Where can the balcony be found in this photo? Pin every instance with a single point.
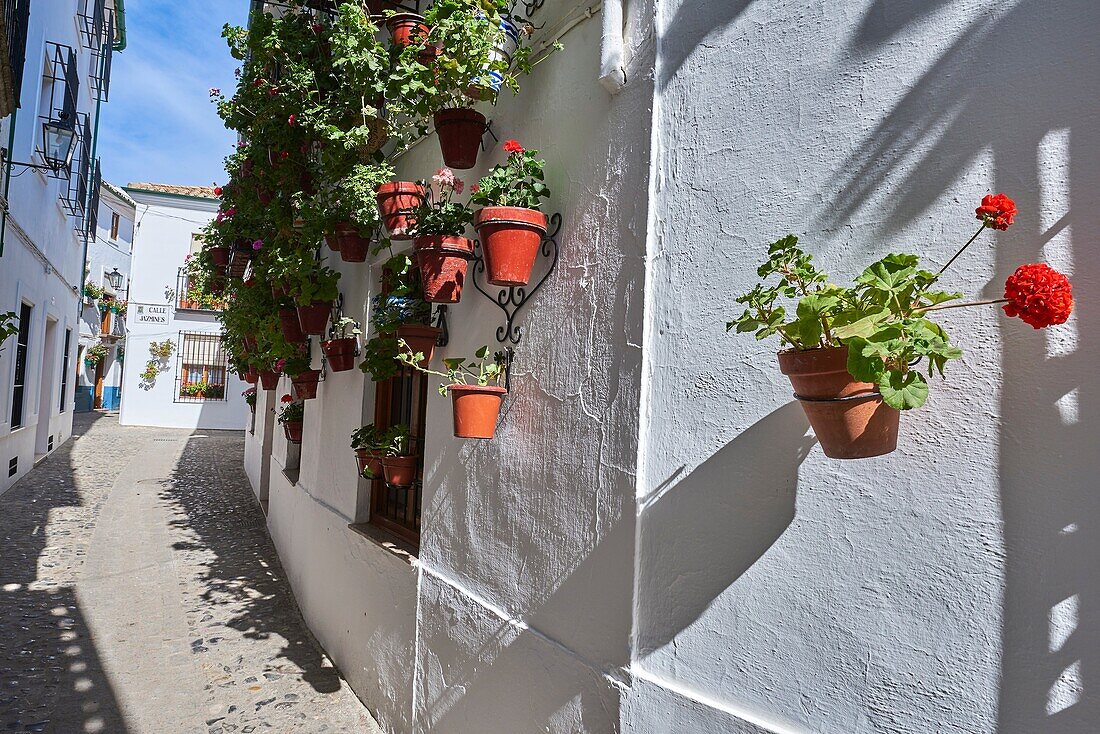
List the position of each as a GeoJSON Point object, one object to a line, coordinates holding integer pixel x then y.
{"type": "Point", "coordinates": [193, 295]}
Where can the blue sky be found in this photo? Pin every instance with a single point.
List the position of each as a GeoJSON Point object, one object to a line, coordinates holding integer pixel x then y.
{"type": "Point", "coordinates": [160, 125]}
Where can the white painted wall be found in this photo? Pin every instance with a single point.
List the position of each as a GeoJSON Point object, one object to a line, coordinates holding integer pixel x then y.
{"type": "Point", "coordinates": [165, 225]}
{"type": "Point", "coordinates": [654, 542]}
{"type": "Point", "coordinates": [42, 256]}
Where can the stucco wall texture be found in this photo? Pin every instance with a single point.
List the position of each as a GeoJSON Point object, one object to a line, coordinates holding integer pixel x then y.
{"type": "Point", "coordinates": [654, 542]}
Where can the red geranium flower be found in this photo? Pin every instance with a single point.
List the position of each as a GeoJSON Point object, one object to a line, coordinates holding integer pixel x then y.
{"type": "Point", "coordinates": [217, 191]}
{"type": "Point", "coordinates": [512, 146]}
{"type": "Point", "coordinates": [287, 399]}
{"type": "Point", "coordinates": [997, 211]}
{"type": "Point", "coordinates": [1039, 295]}
{"type": "Point", "coordinates": [291, 120]}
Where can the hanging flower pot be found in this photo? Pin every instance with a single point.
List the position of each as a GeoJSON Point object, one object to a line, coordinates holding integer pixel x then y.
{"type": "Point", "coordinates": [291, 328]}
{"type": "Point", "coordinates": [491, 80]}
{"type": "Point", "coordinates": [269, 379]}
{"type": "Point", "coordinates": [407, 29]}
{"type": "Point", "coordinates": [333, 242]}
{"type": "Point", "coordinates": [219, 256]}
{"type": "Point", "coordinates": [314, 317]}
{"type": "Point", "coordinates": [420, 338]}
{"type": "Point", "coordinates": [250, 343]}
{"type": "Point", "coordinates": [305, 384]}
{"type": "Point", "coordinates": [396, 201]}
{"type": "Point", "coordinates": [366, 460]}
{"type": "Point", "coordinates": [340, 353]}
{"type": "Point", "coordinates": [443, 261]}
{"type": "Point", "coordinates": [460, 131]}
{"type": "Point", "coordinates": [265, 196]}
{"type": "Point", "coordinates": [476, 409]}
{"type": "Point", "coordinates": [278, 290]}
{"type": "Point", "coordinates": [400, 471]}
{"type": "Point", "coordinates": [251, 376]}
{"type": "Point", "coordinates": [352, 247]}
{"type": "Point", "coordinates": [510, 238]}
{"type": "Point", "coordinates": [293, 431]}
{"type": "Point", "coordinates": [849, 418]}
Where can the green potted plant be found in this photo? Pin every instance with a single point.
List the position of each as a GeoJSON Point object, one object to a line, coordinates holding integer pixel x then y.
{"type": "Point", "coordinates": [397, 201]}
{"type": "Point", "coordinates": [853, 353]}
{"type": "Point", "coordinates": [354, 212]}
{"type": "Point", "coordinates": [291, 416]}
{"type": "Point", "coordinates": [303, 379]}
{"type": "Point", "coordinates": [250, 398]}
{"type": "Point", "coordinates": [474, 386]}
{"type": "Point", "coordinates": [95, 354]}
{"type": "Point", "coordinates": [314, 288]}
{"type": "Point", "coordinates": [8, 326]}
{"type": "Point", "coordinates": [343, 345]}
{"type": "Point", "coordinates": [195, 389]}
{"type": "Point", "coordinates": [369, 444]}
{"type": "Point", "coordinates": [442, 251]}
{"type": "Point", "coordinates": [400, 462]}
{"type": "Point", "coordinates": [509, 224]}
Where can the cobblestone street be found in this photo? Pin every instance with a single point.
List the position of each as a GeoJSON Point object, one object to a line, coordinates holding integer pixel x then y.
{"type": "Point", "coordinates": [139, 592]}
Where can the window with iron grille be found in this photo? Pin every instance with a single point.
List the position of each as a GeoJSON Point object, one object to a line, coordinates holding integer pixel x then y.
{"type": "Point", "coordinates": [202, 368]}
{"type": "Point", "coordinates": [401, 400]}
{"type": "Point", "coordinates": [60, 92]}
{"type": "Point", "coordinates": [16, 24]}
{"type": "Point", "coordinates": [65, 367]}
{"type": "Point", "coordinates": [22, 348]}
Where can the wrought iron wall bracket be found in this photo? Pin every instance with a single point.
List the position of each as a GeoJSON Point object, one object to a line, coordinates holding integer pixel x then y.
{"type": "Point", "coordinates": [439, 321]}
{"type": "Point", "coordinates": [505, 357]}
{"type": "Point", "coordinates": [510, 300]}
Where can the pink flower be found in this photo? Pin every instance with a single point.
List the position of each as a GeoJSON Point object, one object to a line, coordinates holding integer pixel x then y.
{"type": "Point", "coordinates": [444, 177]}
{"type": "Point", "coordinates": [475, 188]}
{"type": "Point", "coordinates": [291, 120]}
{"type": "Point", "coordinates": [279, 368]}
{"type": "Point", "coordinates": [258, 245]}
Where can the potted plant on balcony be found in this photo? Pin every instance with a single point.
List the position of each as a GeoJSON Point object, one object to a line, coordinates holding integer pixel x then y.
{"type": "Point", "coordinates": [343, 345]}
{"type": "Point", "coordinates": [399, 463]}
{"type": "Point", "coordinates": [369, 444]}
{"type": "Point", "coordinates": [853, 352]}
{"type": "Point", "coordinates": [291, 416]}
{"type": "Point", "coordinates": [95, 354]}
{"type": "Point", "coordinates": [474, 386]}
{"type": "Point", "coordinates": [509, 224]}
{"type": "Point", "coordinates": [442, 252]}
{"type": "Point", "coordinates": [196, 389]}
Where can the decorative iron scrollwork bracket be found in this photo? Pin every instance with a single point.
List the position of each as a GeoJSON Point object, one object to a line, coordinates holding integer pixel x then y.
{"type": "Point", "coordinates": [510, 300]}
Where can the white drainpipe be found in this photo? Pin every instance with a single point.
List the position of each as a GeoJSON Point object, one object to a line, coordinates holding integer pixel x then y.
{"type": "Point", "coordinates": [612, 68]}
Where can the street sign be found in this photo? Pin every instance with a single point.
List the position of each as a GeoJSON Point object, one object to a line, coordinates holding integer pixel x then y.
{"type": "Point", "coordinates": [152, 313]}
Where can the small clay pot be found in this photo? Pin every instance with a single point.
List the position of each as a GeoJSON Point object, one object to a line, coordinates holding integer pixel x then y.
{"type": "Point", "coordinates": [366, 459]}
{"type": "Point", "coordinates": [340, 353]}
{"type": "Point", "coordinates": [460, 131]}
{"type": "Point", "coordinates": [314, 317]}
{"type": "Point", "coordinates": [421, 339]}
{"type": "Point", "coordinates": [251, 377]}
{"type": "Point", "coordinates": [396, 202]}
{"type": "Point", "coordinates": [400, 471]}
{"type": "Point", "coordinates": [850, 419]}
{"type": "Point", "coordinates": [269, 379]}
{"type": "Point", "coordinates": [443, 262]}
{"type": "Point", "coordinates": [293, 431]}
{"type": "Point", "coordinates": [305, 384]}
{"type": "Point", "coordinates": [291, 328]}
{"type": "Point", "coordinates": [278, 290]}
{"type": "Point", "coordinates": [219, 256]}
{"type": "Point", "coordinates": [510, 238]}
{"type": "Point", "coordinates": [353, 248]}
{"type": "Point", "coordinates": [476, 409]}
{"type": "Point", "coordinates": [407, 29]}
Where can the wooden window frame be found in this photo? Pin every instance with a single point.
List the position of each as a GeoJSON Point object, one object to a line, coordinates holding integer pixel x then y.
{"type": "Point", "coordinates": [387, 413]}
{"type": "Point", "coordinates": [115, 221]}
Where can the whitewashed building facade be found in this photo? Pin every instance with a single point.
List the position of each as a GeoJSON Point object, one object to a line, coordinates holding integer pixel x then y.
{"type": "Point", "coordinates": [54, 83]}
{"type": "Point", "coordinates": [170, 219]}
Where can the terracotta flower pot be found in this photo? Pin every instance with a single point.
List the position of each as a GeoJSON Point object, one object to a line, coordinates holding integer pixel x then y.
{"type": "Point", "coordinates": [400, 471]}
{"type": "Point", "coordinates": [460, 131]}
{"type": "Point", "coordinates": [293, 431]}
{"type": "Point", "coordinates": [333, 242]}
{"type": "Point", "coordinates": [366, 459]}
{"type": "Point", "coordinates": [510, 238]}
{"type": "Point", "coordinates": [288, 324]}
{"type": "Point", "coordinates": [407, 29]}
{"type": "Point", "coordinates": [420, 338]}
{"type": "Point", "coordinates": [353, 247]}
{"type": "Point", "coordinates": [250, 343]}
{"type": "Point", "coordinates": [340, 353]}
{"type": "Point", "coordinates": [314, 317]}
{"type": "Point", "coordinates": [265, 196]}
{"type": "Point", "coordinates": [269, 379]}
{"type": "Point", "coordinates": [278, 290]}
{"type": "Point", "coordinates": [443, 261]}
{"type": "Point", "coordinates": [305, 384]}
{"type": "Point", "coordinates": [251, 377]}
{"type": "Point", "coordinates": [219, 256]}
{"type": "Point", "coordinates": [849, 417]}
{"type": "Point", "coordinates": [476, 410]}
{"type": "Point", "coordinates": [396, 202]}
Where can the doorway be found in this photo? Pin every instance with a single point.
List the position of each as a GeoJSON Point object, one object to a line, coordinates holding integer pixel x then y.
{"type": "Point", "coordinates": [100, 370]}
{"type": "Point", "coordinates": [46, 398]}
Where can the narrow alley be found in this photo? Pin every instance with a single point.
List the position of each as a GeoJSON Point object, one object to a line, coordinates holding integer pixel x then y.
{"type": "Point", "coordinates": [139, 592]}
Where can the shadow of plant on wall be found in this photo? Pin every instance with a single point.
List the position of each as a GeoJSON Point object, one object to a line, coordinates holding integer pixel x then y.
{"type": "Point", "coordinates": [1019, 84]}
{"type": "Point", "coordinates": [716, 523]}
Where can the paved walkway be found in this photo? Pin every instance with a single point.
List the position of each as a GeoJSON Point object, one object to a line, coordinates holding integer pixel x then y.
{"type": "Point", "coordinates": [140, 593]}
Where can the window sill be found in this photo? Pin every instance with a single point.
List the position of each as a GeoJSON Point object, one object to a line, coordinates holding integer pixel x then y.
{"type": "Point", "coordinates": [387, 541]}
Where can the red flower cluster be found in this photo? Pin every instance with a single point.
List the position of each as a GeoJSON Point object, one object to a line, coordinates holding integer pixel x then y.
{"type": "Point", "coordinates": [512, 146]}
{"type": "Point", "coordinates": [997, 211]}
{"type": "Point", "coordinates": [1039, 295]}
{"type": "Point", "coordinates": [287, 399]}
